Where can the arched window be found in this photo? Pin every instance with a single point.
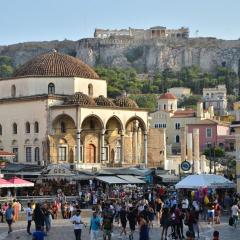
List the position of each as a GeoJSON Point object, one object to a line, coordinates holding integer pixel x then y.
{"type": "Point", "coordinates": [51, 88]}
{"type": "Point", "coordinates": [63, 127]}
{"type": "Point", "coordinates": [164, 106]}
{"type": "Point", "coordinates": [36, 127]}
{"type": "Point", "coordinates": [36, 154]}
{"type": "Point", "coordinates": [177, 139]}
{"type": "Point", "coordinates": [90, 90]}
{"type": "Point", "coordinates": [13, 91]}
{"type": "Point", "coordinates": [27, 127]}
{"type": "Point", "coordinates": [171, 106]}
{"type": "Point", "coordinates": [0, 129]}
{"type": "Point", "coordinates": [14, 128]}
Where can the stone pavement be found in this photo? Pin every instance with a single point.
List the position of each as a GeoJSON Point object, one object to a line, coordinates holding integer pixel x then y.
{"type": "Point", "coordinates": [63, 230]}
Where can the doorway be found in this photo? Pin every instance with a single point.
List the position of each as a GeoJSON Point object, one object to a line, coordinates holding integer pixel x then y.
{"type": "Point", "coordinates": [91, 153]}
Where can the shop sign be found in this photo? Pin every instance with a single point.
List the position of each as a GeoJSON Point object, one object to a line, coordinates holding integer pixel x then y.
{"type": "Point", "coordinates": [59, 170]}
{"type": "Point", "coordinates": [185, 166]}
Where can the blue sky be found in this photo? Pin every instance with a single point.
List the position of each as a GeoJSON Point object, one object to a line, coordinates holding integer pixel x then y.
{"type": "Point", "coordinates": [38, 20]}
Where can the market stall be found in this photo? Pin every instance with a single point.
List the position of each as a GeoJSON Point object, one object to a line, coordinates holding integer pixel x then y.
{"type": "Point", "coordinates": [211, 181]}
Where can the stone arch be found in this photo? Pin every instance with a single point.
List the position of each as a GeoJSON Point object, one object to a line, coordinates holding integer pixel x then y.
{"type": "Point", "coordinates": [36, 141]}
{"type": "Point", "coordinates": [142, 124]}
{"type": "Point", "coordinates": [63, 119]}
{"type": "Point", "coordinates": [117, 119]}
{"type": "Point", "coordinates": [90, 90]}
{"type": "Point", "coordinates": [14, 142]}
{"type": "Point", "coordinates": [95, 122]}
{"type": "Point", "coordinates": [13, 91]}
{"type": "Point", "coordinates": [27, 142]}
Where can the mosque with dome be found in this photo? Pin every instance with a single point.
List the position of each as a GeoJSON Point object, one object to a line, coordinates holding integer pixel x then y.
{"type": "Point", "coordinates": [55, 109]}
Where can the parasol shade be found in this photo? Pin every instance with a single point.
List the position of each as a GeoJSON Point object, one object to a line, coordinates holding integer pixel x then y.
{"type": "Point", "coordinates": [4, 183]}
{"type": "Point", "coordinates": [18, 182]}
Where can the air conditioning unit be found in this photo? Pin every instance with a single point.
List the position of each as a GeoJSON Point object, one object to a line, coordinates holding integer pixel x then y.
{"type": "Point", "coordinates": [94, 169]}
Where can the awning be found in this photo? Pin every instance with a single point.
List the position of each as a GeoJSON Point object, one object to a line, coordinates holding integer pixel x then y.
{"type": "Point", "coordinates": [111, 180]}
{"type": "Point", "coordinates": [131, 179]}
{"type": "Point", "coordinates": [167, 178]}
{"type": "Point", "coordinates": [5, 184]}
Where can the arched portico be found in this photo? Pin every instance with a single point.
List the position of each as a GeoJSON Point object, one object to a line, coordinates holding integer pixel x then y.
{"type": "Point", "coordinates": [91, 129]}
{"type": "Point", "coordinates": [136, 140]}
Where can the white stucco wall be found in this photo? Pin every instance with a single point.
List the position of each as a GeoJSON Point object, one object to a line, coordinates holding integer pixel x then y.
{"type": "Point", "coordinates": [99, 86]}
{"type": "Point", "coordinates": [20, 113]}
{"type": "Point", "coordinates": [36, 86]}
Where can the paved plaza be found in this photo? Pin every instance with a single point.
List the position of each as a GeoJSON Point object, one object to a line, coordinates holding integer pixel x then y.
{"type": "Point", "coordinates": [63, 230]}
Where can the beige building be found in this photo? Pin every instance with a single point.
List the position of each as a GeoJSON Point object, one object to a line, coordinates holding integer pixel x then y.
{"type": "Point", "coordinates": [55, 110]}
{"type": "Point", "coordinates": [171, 118]}
{"type": "Point", "coordinates": [216, 97]}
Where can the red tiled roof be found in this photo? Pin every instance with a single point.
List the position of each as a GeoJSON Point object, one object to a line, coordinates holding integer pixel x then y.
{"type": "Point", "coordinates": [54, 64]}
{"type": "Point", "coordinates": [184, 113]}
{"type": "Point", "coordinates": [167, 95]}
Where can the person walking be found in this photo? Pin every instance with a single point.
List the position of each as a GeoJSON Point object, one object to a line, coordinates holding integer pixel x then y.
{"type": "Point", "coordinates": [123, 220]}
{"type": "Point", "coordinates": [78, 224]}
{"type": "Point", "coordinates": [107, 222]}
{"type": "Point", "coordinates": [38, 217]}
{"type": "Point", "coordinates": [235, 213]}
{"type": "Point", "coordinates": [9, 214]}
{"type": "Point", "coordinates": [143, 229]}
{"type": "Point", "coordinates": [132, 219]}
{"type": "Point", "coordinates": [95, 224]}
{"type": "Point", "coordinates": [29, 217]}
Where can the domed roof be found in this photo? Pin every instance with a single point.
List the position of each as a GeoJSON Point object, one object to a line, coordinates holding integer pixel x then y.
{"type": "Point", "coordinates": [80, 98]}
{"type": "Point", "coordinates": [167, 95]}
{"type": "Point", "coordinates": [125, 102]}
{"type": "Point", "coordinates": [103, 101]}
{"type": "Point", "coordinates": [54, 64]}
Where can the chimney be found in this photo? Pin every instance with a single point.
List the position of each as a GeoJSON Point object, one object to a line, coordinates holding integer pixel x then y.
{"type": "Point", "coordinates": [200, 110]}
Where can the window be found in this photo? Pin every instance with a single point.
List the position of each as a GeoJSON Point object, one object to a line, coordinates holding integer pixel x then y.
{"type": "Point", "coordinates": [63, 127]}
{"type": "Point", "coordinates": [36, 154]}
{"type": "Point", "coordinates": [36, 127]}
{"type": "Point", "coordinates": [171, 106]}
{"type": "Point", "coordinates": [118, 152]}
{"type": "Point", "coordinates": [164, 106]}
{"type": "Point", "coordinates": [15, 151]}
{"type": "Point", "coordinates": [156, 126]}
{"type": "Point", "coordinates": [90, 90]}
{"type": "Point", "coordinates": [14, 128]}
{"type": "Point", "coordinates": [62, 153]}
{"type": "Point", "coordinates": [209, 132]}
{"type": "Point", "coordinates": [177, 125]}
{"type": "Point", "coordinates": [13, 91]}
{"type": "Point", "coordinates": [27, 127]}
{"type": "Point", "coordinates": [51, 88]}
{"type": "Point", "coordinates": [209, 145]}
{"type": "Point", "coordinates": [0, 129]}
{"type": "Point", "coordinates": [28, 154]}
{"type": "Point", "coordinates": [105, 153]}
{"type": "Point", "coordinates": [177, 139]}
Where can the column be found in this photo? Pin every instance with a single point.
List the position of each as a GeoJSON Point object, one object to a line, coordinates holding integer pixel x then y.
{"type": "Point", "coordinates": [238, 161]}
{"type": "Point", "coordinates": [189, 147]}
{"type": "Point", "coordinates": [79, 157]}
{"type": "Point", "coordinates": [122, 147]}
{"type": "Point", "coordinates": [145, 149]}
{"type": "Point", "coordinates": [183, 143]}
{"type": "Point", "coordinates": [135, 146]}
{"type": "Point", "coordinates": [196, 158]}
{"type": "Point", "coordinates": [102, 145]}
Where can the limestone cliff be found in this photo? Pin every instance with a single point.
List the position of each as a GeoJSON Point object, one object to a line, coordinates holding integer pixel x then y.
{"type": "Point", "coordinates": [150, 55]}
{"type": "Point", "coordinates": [144, 55]}
{"type": "Point", "coordinates": [22, 52]}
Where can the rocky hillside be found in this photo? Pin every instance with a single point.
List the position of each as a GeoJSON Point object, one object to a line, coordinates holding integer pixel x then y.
{"type": "Point", "coordinates": [22, 52]}
{"type": "Point", "coordinates": [152, 55]}
{"type": "Point", "coordinates": [145, 55]}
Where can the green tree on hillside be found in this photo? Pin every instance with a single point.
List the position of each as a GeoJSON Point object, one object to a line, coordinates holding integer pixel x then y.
{"type": "Point", "coordinates": [6, 67]}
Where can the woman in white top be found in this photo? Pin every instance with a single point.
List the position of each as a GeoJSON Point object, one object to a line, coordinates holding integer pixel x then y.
{"type": "Point", "coordinates": [78, 224]}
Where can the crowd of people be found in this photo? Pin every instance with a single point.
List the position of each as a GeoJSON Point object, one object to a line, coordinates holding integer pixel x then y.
{"type": "Point", "coordinates": [176, 214]}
